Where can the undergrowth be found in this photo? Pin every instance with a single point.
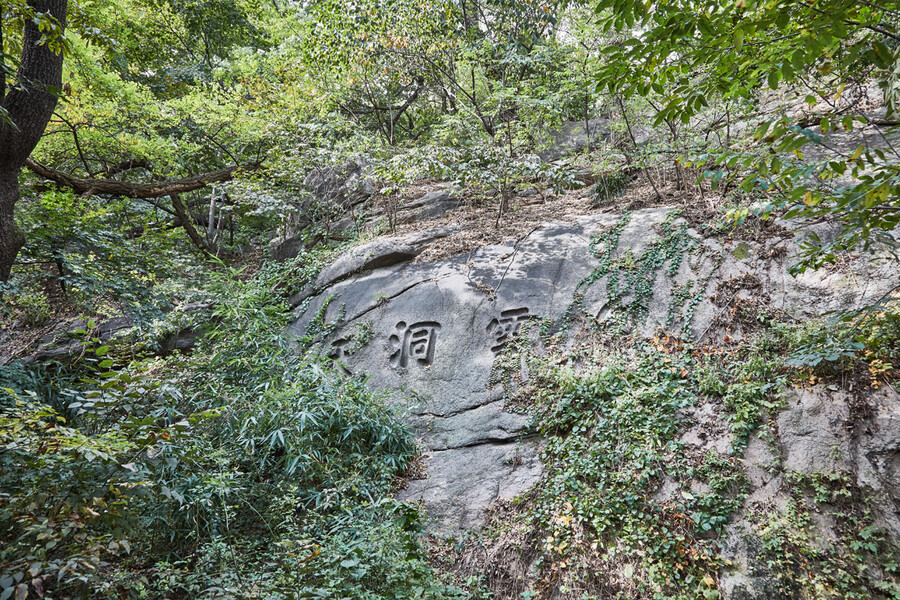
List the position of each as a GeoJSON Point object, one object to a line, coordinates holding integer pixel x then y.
{"type": "Point", "coordinates": [627, 508]}
{"type": "Point", "coordinates": [240, 470]}
{"type": "Point", "coordinates": [858, 561]}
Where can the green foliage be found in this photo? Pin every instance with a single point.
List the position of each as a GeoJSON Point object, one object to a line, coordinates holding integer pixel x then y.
{"type": "Point", "coordinates": [328, 436]}
{"type": "Point", "coordinates": [741, 47]}
{"type": "Point", "coordinates": [286, 278]}
{"type": "Point", "coordinates": [611, 436]}
{"type": "Point", "coordinates": [859, 562]}
{"type": "Point", "coordinates": [630, 279]}
{"type": "Point", "coordinates": [84, 247]}
{"type": "Point", "coordinates": [35, 307]}
{"type": "Point", "coordinates": [201, 36]}
{"type": "Point", "coordinates": [711, 378]}
{"type": "Point", "coordinates": [240, 467]}
{"type": "Point", "coordinates": [745, 402]}
{"type": "Point", "coordinates": [856, 189]}
{"type": "Point", "coordinates": [458, 70]}
{"type": "Point", "coordinates": [490, 170]}
{"type": "Point", "coordinates": [70, 501]}
{"type": "Point", "coordinates": [609, 187]}
{"type": "Point", "coordinates": [880, 332]}
{"type": "Point", "coordinates": [687, 56]}
{"type": "Point", "coordinates": [825, 348]}
{"type": "Point", "coordinates": [374, 555]}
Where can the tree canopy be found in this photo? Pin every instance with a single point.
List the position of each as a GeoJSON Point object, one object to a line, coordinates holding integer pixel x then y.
{"type": "Point", "coordinates": [154, 154]}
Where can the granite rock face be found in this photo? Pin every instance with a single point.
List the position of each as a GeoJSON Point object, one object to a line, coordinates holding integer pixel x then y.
{"type": "Point", "coordinates": [436, 331]}
{"type": "Point", "coordinates": [816, 434]}
{"type": "Point", "coordinates": [432, 205]}
{"type": "Point", "coordinates": [344, 185]}
{"type": "Point", "coordinates": [380, 253]}
{"type": "Point", "coordinates": [430, 333]}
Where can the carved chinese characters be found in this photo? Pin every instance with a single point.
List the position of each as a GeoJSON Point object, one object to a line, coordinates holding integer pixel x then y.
{"type": "Point", "coordinates": [414, 343]}
{"type": "Point", "coordinates": [505, 326]}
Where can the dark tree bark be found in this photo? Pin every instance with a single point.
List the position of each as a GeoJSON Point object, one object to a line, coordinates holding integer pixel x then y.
{"type": "Point", "coordinates": [11, 238]}
{"type": "Point", "coordinates": [187, 223]}
{"type": "Point", "coordinates": [114, 187]}
{"type": "Point", "coordinates": [28, 106]}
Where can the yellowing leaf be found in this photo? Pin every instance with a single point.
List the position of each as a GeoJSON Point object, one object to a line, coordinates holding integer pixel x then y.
{"type": "Point", "coordinates": [879, 194]}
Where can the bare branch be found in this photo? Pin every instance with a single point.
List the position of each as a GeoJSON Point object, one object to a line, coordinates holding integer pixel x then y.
{"type": "Point", "coordinates": [156, 189]}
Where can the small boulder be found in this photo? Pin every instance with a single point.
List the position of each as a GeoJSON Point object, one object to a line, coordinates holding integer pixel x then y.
{"type": "Point", "coordinates": [432, 205]}
{"type": "Point", "coordinates": [574, 136]}
{"type": "Point", "coordinates": [63, 343]}
{"type": "Point", "coordinates": [345, 186]}
{"type": "Point", "coordinates": [287, 247]}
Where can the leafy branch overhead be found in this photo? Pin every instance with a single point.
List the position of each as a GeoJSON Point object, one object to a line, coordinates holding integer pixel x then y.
{"type": "Point", "coordinates": [142, 191]}
{"type": "Point", "coordinates": [689, 54]}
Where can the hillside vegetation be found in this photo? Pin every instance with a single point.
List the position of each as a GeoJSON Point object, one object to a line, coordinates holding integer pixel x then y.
{"type": "Point", "coordinates": [175, 176]}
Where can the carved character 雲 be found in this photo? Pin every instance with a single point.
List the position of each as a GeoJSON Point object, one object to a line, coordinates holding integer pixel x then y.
{"type": "Point", "coordinates": [504, 327]}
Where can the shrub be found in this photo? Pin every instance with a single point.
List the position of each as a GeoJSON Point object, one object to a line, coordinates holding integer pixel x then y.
{"type": "Point", "coordinates": [35, 306]}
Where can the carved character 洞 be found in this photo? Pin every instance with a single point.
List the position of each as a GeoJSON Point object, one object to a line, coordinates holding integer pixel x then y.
{"type": "Point", "coordinates": [415, 342]}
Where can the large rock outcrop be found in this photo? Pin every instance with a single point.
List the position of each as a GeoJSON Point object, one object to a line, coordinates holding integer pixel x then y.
{"type": "Point", "coordinates": [435, 331]}
{"type": "Point", "coordinates": [431, 332]}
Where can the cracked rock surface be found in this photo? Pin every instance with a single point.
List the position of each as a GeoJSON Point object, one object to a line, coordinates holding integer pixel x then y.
{"type": "Point", "coordinates": [429, 333]}
{"type": "Point", "coordinates": [436, 329]}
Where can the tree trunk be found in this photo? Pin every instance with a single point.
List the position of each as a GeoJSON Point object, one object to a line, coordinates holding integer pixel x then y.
{"type": "Point", "coordinates": [188, 223]}
{"type": "Point", "coordinates": [28, 105]}
{"type": "Point", "coordinates": [11, 238]}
